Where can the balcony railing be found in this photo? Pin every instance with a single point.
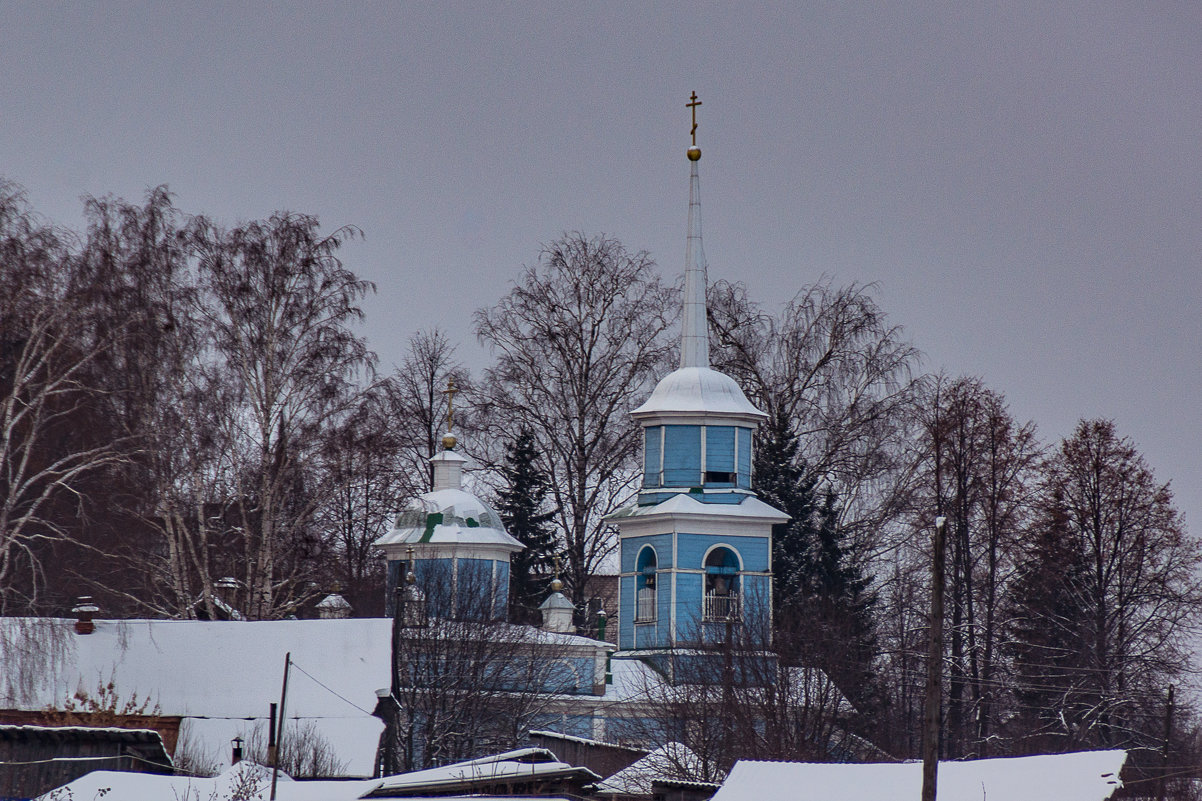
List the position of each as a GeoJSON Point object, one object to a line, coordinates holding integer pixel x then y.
{"type": "Point", "coordinates": [645, 608]}
{"type": "Point", "coordinates": [720, 607]}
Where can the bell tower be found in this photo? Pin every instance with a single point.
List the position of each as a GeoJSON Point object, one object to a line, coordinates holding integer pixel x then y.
{"type": "Point", "coordinates": [696, 548]}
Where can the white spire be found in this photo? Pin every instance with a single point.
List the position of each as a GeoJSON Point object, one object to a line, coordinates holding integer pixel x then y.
{"type": "Point", "coordinates": [694, 338]}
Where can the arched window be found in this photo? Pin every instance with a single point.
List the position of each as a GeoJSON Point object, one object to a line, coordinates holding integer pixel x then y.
{"type": "Point", "coordinates": [721, 600]}
{"type": "Point", "coordinates": [644, 610]}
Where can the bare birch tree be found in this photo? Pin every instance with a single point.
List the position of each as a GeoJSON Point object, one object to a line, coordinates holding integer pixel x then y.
{"type": "Point", "coordinates": [834, 367]}
{"type": "Point", "coordinates": [365, 482]}
{"type": "Point", "coordinates": [280, 304]}
{"type": "Point", "coordinates": [46, 453]}
{"type": "Point", "coordinates": [579, 342]}
{"type": "Point", "coordinates": [417, 394]}
{"type": "Point", "coordinates": [980, 471]}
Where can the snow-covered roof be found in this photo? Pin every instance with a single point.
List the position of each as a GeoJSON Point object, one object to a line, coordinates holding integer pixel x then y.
{"type": "Point", "coordinates": [245, 780]}
{"type": "Point", "coordinates": [698, 390]}
{"type": "Point", "coordinates": [633, 680]}
{"type": "Point", "coordinates": [750, 507]}
{"type": "Point", "coordinates": [1082, 776]}
{"type": "Point", "coordinates": [556, 600]}
{"type": "Point", "coordinates": [669, 761]}
{"type": "Point", "coordinates": [333, 601]}
{"type": "Point", "coordinates": [219, 676]}
{"type": "Point", "coordinates": [527, 763]}
{"type": "Point", "coordinates": [556, 735]}
{"type": "Point", "coordinates": [449, 517]}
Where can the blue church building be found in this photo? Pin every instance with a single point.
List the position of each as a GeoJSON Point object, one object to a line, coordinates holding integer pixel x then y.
{"type": "Point", "coordinates": [695, 545]}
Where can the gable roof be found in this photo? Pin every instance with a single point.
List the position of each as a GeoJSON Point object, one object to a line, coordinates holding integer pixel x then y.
{"type": "Point", "coordinates": [1081, 776]}
{"type": "Point", "coordinates": [483, 775]}
{"type": "Point", "coordinates": [672, 761]}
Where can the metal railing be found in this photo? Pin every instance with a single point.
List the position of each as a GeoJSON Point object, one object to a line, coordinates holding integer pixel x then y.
{"type": "Point", "coordinates": [720, 607]}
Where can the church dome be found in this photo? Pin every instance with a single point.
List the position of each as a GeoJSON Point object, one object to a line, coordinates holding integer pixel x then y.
{"type": "Point", "coordinates": [449, 516]}
{"type": "Point", "coordinates": [698, 390]}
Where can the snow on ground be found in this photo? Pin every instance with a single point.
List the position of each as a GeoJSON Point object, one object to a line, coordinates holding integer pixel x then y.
{"type": "Point", "coordinates": [1082, 776]}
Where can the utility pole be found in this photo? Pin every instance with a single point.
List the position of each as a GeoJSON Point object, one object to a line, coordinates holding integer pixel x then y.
{"type": "Point", "coordinates": [279, 729]}
{"type": "Point", "coordinates": [1164, 755]}
{"type": "Point", "coordinates": [934, 695]}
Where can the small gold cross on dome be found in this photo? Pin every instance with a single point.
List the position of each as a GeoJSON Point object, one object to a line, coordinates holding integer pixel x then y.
{"type": "Point", "coordinates": [693, 105]}
{"type": "Point", "coordinates": [450, 392]}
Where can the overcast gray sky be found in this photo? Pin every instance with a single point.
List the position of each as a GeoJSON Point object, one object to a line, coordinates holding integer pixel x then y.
{"type": "Point", "coordinates": [1024, 181]}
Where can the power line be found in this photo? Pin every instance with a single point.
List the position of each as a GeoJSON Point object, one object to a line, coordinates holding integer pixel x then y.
{"type": "Point", "coordinates": [331, 691]}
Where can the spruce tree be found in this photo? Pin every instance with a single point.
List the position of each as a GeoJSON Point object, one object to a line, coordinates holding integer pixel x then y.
{"type": "Point", "coordinates": [823, 601]}
{"type": "Point", "coordinates": [1048, 639]}
{"type": "Point", "coordinates": [521, 505]}
{"type": "Point", "coordinates": [781, 481]}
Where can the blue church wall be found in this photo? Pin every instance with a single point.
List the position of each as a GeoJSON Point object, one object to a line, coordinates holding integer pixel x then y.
{"type": "Point", "coordinates": [682, 456]}
{"type": "Point", "coordinates": [651, 451]}
{"type": "Point", "coordinates": [744, 452]}
{"type": "Point", "coordinates": [502, 588]}
{"type": "Point", "coordinates": [473, 588]}
{"type": "Point", "coordinates": [753, 551]}
{"type": "Point", "coordinates": [631, 546]}
{"type": "Point", "coordinates": [714, 668]}
{"type": "Point", "coordinates": [626, 613]}
{"type": "Point", "coordinates": [673, 456]}
{"type": "Point", "coordinates": [652, 635]}
{"type": "Point", "coordinates": [737, 559]}
{"type": "Point", "coordinates": [688, 606]}
{"type": "Point", "coordinates": [719, 456]}
{"type": "Point", "coordinates": [569, 676]}
{"type": "Point", "coordinates": [628, 728]}
{"type": "Point", "coordinates": [571, 725]}
{"type": "Point", "coordinates": [635, 557]}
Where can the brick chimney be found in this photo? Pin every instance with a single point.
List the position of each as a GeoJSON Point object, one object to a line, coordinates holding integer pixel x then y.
{"type": "Point", "coordinates": [84, 611]}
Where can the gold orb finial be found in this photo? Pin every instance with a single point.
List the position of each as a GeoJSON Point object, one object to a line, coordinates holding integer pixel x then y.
{"type": "Point", "coordinates": [694, 153]}
{"type": "Point", "coordinates": [556, 585]}
{"type": "Point", "coordinates": [449, 441]}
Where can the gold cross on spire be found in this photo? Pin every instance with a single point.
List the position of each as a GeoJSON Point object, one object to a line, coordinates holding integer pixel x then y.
{"type": "Point", "coordinates": [693, 105]}
{"type": "Point", "coordinates": [450, 392]}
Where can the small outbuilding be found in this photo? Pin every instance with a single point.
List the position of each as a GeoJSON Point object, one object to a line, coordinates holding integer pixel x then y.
{"type": "Point", "coordinates": [36, 759]}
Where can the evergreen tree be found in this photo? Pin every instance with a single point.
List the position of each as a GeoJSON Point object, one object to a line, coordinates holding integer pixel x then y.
{"type": "Point", "coordinates": [822, 599]}
{"type": "Point", "coordinates": [521, 506]}
{"type": "Point", "coordinates": [781, 481]}
{"type": "Point", "coordinates": [842, 604]}
{"type": "Point", "coordinates": [1047, 638]}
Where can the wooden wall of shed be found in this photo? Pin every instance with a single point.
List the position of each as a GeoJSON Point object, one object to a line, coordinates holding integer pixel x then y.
{"type": "Point", "coordinates": [166, 725]}
{"type": "Point", "coordinates": [36, 766]}
{"type": "Point", "coordinates": [604, 759]}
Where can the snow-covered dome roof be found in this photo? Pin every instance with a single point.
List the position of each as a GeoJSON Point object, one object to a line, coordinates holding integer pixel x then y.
{"type": "Point", "coordinates": [698, 390]}
{"type": "Point", "coordinates": [449, 517]}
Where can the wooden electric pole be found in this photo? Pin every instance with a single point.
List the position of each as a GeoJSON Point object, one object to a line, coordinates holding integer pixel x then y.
{"type": "Point", "coordinates": [1162, 785]}
{"type": "Point", "coordinates": [279, 729]}
{"type": "Point", "coordinates": [934, 696]}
